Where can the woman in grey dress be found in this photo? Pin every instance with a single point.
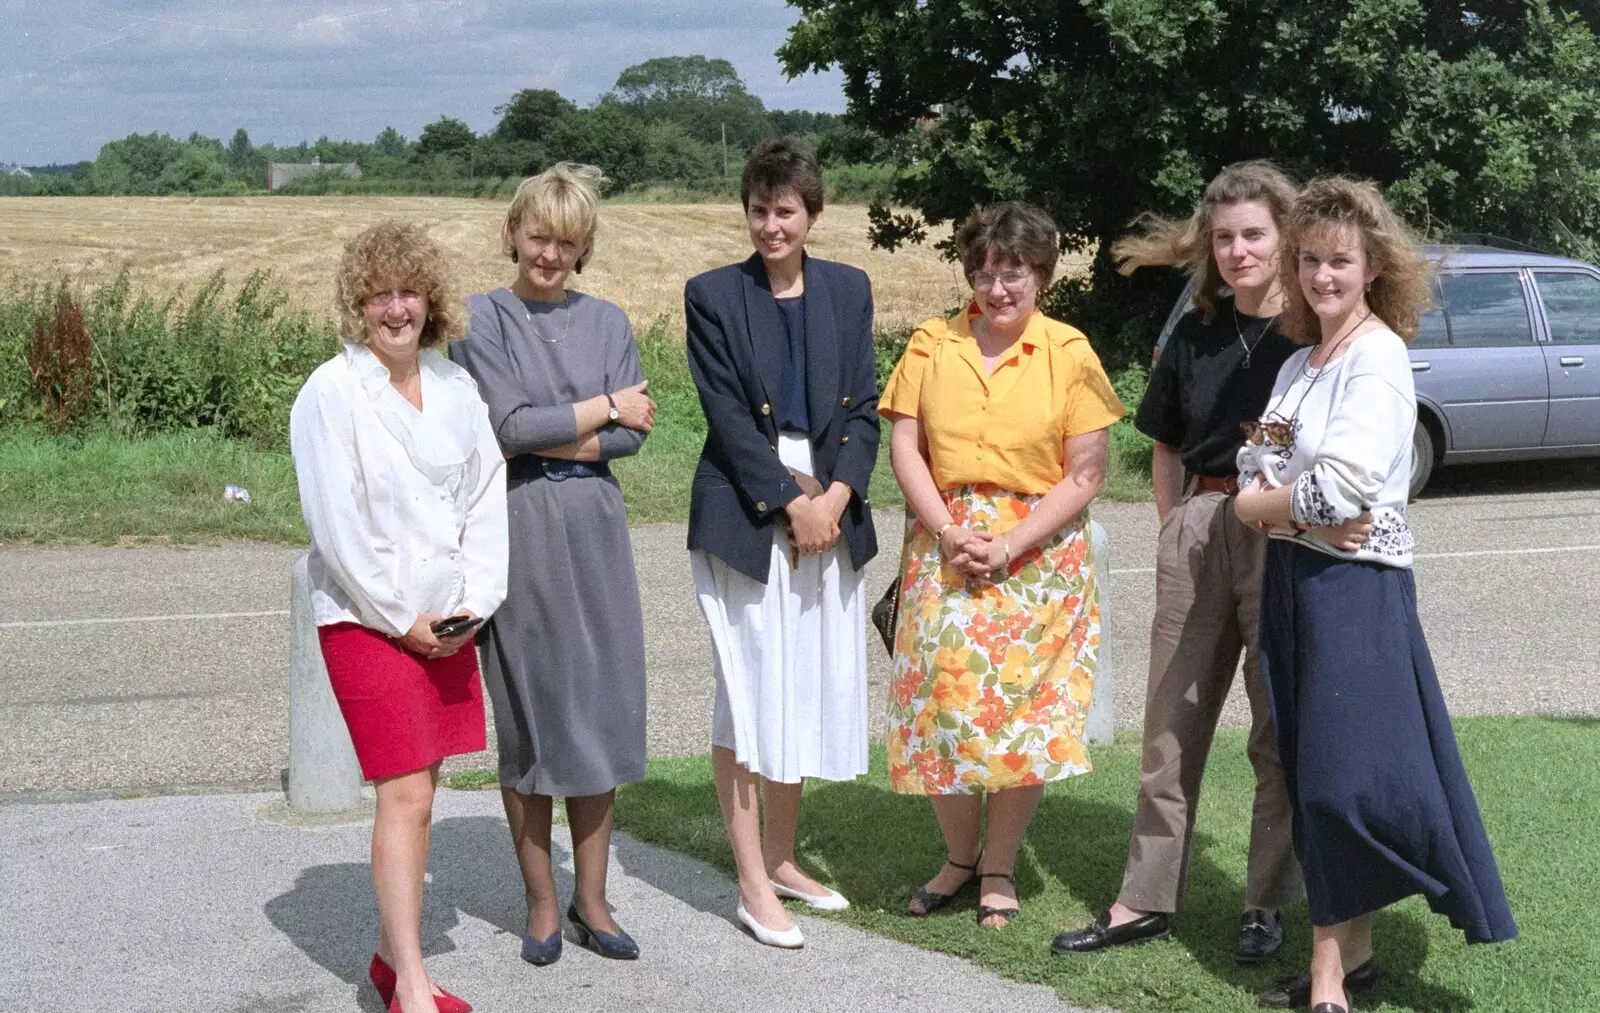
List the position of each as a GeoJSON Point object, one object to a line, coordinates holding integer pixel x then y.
{"type": "Point", "coordinates": [563, 658]}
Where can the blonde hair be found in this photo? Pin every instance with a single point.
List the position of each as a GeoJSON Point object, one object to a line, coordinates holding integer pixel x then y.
{"type": "Point", "coordinates": [565, 199]}
{"type": "Point", "coordinates": [1186, 243]}
{"type": "Point", "coordinates": [397, 255]}
{"type": "Point", "coordinates": [1398, 296]}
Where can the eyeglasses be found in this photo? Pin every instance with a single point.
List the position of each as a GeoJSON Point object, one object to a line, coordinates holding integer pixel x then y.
{"type": "Point", "coordinates": [1278, 432]}
{"type": "Point", "coordinates": [1013, 280]}
{"type": "Point", "coordinates": [406, 297]}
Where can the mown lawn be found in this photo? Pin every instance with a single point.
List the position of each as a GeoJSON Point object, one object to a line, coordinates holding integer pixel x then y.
{"type": "Point", "coordinates": [1537, 782]}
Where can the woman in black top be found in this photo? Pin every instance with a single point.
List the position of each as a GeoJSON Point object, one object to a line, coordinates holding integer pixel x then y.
{"type": "Point", "coordinates": [1216, 371]}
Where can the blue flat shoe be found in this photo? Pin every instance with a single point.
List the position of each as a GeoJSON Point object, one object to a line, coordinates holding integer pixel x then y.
{"type": "Point", "coordinates": [542, 951]}
{"type": "Point", "coordinates": [615, 947]}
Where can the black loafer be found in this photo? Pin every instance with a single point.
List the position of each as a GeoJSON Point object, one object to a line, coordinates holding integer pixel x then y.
{"type": "Point", "coordinates": [1292, 993]}
{"type": "Point", "coordinates": [1260, 936]}
{"type": "Point", "coordinates": [1101, 935]}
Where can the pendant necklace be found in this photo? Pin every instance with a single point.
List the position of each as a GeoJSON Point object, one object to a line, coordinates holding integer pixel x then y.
{"type": "Point", "coordinates": [1249, 348]}
{"type": "Point", "coordinates": [566, 301]}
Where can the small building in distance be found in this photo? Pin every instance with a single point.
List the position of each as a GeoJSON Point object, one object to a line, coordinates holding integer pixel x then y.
{"type": "Point", "coordinates": [279, 173]}
{"type": "Point", "coordinates": [15, 170]}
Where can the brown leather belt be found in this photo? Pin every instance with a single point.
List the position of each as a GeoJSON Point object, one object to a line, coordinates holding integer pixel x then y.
{"type": "Point", "coordinates": [1228, 486]}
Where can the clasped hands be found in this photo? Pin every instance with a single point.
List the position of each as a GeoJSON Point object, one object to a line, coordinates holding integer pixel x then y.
{"type": "Point", "coordinates": [972, 553]}
{"type": "Point", "coordinates": [814, 520]}
{"type": "Point", "coordinates": [420, 639]}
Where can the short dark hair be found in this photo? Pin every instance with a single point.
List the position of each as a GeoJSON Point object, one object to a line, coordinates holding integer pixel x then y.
{"type": "Point", "coordinates": [778, 164]}
{"type": "Point", "coordinates": [1012, 231]}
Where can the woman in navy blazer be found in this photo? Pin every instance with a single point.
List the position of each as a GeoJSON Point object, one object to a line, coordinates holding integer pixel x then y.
{"type": "Point", "coordinates": [780, 525]}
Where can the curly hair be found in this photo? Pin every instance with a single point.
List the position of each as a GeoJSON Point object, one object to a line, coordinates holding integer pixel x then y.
{"type": "Point", "coordinates": [1015, 233]}
{"type": "Point", "coordinates": [1401, 292]}
{"type": "Point", "coordinates": [1186, 243]}
{"type": "Point", "coordinates": [565, 199]}
{"type": "Point", "coordinates": [391, 255]}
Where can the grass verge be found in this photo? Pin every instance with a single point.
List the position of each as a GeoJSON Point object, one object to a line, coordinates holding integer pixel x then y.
{"type": "Point", "coordinates": [1536, 780]}
{"type": "Point", "coordinates": [101, 486]}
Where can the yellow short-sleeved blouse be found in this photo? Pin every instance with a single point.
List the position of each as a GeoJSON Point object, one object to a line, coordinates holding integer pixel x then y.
{"type": "Point", "coordinates": [1005, 427]}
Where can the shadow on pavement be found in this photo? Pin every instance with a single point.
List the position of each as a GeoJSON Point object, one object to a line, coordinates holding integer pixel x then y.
{"type": "Point", "coordinates": [1565, 475]}
{"type": "Point", "coordinates": [331, 916]}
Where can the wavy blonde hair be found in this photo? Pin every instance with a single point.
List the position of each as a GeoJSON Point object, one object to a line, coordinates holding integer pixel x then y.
{"type": "Point", "coordinates": [1186, 243]}
{"type": "Point", "coordinates": [397, 255]}
{"type": "Point", "coordinates": [1401, 292]}
{"type": "Point", "coordinates": [565, 199]}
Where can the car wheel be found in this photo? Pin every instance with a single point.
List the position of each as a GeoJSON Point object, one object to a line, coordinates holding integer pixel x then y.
{"type": "Point", "coordinates": [1422, 457]}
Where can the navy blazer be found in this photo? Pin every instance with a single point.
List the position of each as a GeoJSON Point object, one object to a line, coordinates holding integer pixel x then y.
{"type": "Point", "coordinates": [737, 351]}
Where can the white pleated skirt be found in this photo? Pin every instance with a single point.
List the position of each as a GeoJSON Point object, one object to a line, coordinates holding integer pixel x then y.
{"type": "Point", "coordinates": [791, 657]}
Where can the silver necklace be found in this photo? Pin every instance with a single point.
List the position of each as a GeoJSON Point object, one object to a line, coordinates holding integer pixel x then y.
{"type": "Point", "coordinates": [1249, 348]}
{"type": "Point", "coordinates": [566, 324]}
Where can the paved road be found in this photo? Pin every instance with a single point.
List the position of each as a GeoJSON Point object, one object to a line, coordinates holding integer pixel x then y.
{"type": "Point", "coordinates": [114, 684]}
{"type": "Point", "coordinates": [198, 905]}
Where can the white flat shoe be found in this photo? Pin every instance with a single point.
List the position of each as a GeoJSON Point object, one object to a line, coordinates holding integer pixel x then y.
{"type": "Point", "coordinates": [788, 939]}
{"type": "Point", "coordinates": [833, 900]}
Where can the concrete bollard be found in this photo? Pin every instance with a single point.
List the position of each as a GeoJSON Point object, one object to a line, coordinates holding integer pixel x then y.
{"type": "Point", "coordinates": [1100, 727]}
{"type": "Point", "coordinates": [323, 773]}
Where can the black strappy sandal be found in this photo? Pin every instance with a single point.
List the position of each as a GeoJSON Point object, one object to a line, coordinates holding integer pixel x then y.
{"type": "Point", "coordinates": [931, 901]}
{"type": "Point", "coordinates": [1007, 913]}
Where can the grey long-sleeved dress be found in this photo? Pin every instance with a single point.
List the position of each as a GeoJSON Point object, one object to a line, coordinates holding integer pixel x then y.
{"type": "Point", "coordinates": [563, 658]}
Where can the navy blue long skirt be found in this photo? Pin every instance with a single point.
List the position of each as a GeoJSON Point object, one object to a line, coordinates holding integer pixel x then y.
{"type": "Point", "coordinates": [1382, 805]}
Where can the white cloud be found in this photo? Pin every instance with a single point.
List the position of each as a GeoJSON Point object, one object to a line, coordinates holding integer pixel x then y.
{"type": "Point", "coordinates": [77, 73]}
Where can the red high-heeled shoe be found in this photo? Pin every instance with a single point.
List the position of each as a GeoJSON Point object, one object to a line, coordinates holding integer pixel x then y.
{"type": "Point", "coordinates": [384, 980]}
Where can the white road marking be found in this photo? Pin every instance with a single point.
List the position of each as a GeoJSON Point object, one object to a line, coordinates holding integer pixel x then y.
{"type": "Point", "coordinates": [1118, 572]}
{"type": "Point", "coordinates": [36, 624]}
{"type": "Point", "coordinates": [1545, 551]}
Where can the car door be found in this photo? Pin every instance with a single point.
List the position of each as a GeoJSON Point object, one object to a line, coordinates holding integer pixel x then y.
{"type": "Point", "coordinates": [1485, 372]}
{"type": "Point", "coordinates": [1570, 301]}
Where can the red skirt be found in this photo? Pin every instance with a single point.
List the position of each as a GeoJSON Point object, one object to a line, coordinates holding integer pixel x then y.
{"type": "Point", "coordinates": [404, 712]}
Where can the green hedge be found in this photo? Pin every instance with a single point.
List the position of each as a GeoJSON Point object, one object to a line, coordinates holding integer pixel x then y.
{"type": "Point", "coordinates": [226, 360]}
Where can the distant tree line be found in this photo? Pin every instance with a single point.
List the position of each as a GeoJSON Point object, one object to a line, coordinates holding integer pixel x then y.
{"type": "Point", "coordinates": [685, 122]}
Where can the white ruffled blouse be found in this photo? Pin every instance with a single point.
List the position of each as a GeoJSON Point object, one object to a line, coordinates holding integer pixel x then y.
{"type": "Point", "coordinates": [406, 508]}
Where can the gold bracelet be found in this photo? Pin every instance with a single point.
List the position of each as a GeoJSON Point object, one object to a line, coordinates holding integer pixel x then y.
{"type": "Point", "coordinates": [1005, 543]}
{"type": "Point", "coordinates": [939, 535]}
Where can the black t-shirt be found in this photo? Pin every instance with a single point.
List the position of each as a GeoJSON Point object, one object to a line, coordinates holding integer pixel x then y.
{"type": "Point", "coordinates": [1200, 389]}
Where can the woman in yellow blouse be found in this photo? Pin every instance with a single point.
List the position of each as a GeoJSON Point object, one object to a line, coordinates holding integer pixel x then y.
{"type": "Point", "coordinates": [999, 442]}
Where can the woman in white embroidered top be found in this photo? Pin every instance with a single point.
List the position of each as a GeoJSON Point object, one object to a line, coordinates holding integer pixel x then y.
{"type": "Point", "coordinates": [1325, 472]}
{"type": "Point", "coordinates": [403, 490]}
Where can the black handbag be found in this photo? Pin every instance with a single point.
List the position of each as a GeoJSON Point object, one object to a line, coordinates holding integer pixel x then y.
{"type": "Point", "coordinates": [886, 613]}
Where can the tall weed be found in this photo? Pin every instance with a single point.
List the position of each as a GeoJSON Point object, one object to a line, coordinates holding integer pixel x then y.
{"type": "Point", "coordinates": [226, 360]}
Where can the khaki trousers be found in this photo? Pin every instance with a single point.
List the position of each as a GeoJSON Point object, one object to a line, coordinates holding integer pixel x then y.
{"type": "Point", "coordinates": [1208, 607]}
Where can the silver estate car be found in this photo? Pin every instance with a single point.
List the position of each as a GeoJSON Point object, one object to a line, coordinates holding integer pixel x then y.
{"type": "Point", "coordinates": [1507, 365]}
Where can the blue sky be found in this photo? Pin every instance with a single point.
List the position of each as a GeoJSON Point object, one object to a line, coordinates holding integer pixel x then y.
{"type": "Point", "coordinates": [77, 73]}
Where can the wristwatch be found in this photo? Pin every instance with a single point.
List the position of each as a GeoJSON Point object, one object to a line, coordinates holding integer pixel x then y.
{"type": "Point", "coordinates": [613, 414]}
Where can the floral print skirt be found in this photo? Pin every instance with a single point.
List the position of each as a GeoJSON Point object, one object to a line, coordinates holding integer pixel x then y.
{"type": "Point", "coordinates": [992, 676]}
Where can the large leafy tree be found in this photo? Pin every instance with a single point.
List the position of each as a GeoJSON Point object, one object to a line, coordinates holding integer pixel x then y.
{"type": "Point", "coordinates": [1475, 114]}
{"type": "Point", "coordinates": [701, 95]}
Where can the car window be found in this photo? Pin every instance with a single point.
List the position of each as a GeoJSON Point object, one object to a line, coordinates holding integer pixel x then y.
{"type": "Point", "coordinates": [1571, 306]}
{"type": "Point", "coordinates": [1431, 329]}
{"type": "Point", "coordinates": [1486, 309]}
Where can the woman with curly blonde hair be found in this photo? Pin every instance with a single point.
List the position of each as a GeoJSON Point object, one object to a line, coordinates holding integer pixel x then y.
{"type": "Point", "coordinates": [403, 490]}
{"type": "Point", "coordinates": [1325, 471]}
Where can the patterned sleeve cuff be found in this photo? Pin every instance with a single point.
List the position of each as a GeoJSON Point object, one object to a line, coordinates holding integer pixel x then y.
{"type": "Point", "coordinates": [1308, 506]}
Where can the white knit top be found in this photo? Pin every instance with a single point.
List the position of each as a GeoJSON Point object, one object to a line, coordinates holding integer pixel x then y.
{"type": "Point", "coordinates": [1353, 421]}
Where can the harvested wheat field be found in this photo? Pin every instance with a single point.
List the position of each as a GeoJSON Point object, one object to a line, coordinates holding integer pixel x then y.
{"type": "Point", "coordinates": [643, 255]}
